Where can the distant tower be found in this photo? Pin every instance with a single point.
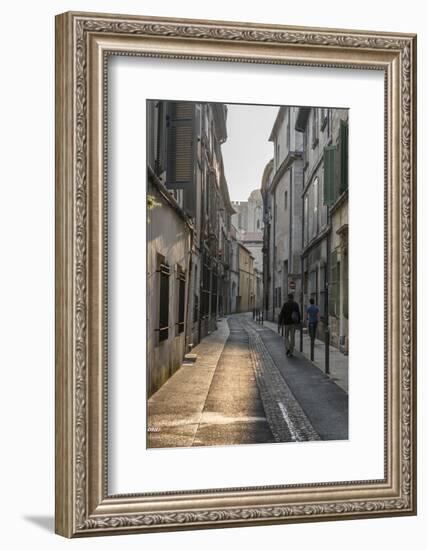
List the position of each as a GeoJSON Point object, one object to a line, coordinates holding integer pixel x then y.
{"type": "Point", "coordinates": [255, 207]}
{"type": "Point", "coordinates": [248, 217]}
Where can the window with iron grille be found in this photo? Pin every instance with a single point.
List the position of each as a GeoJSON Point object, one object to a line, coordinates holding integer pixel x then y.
{"type": "Point", "coordinates": [164, 274]}
{"type": "Point", "coordinates": [181, 299]}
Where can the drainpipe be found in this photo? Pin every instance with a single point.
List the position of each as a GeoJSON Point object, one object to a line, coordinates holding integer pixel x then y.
{"type": "Point", "coordinates": [302, 264]}
{"type": "Point", "coordinates": [189, 287]}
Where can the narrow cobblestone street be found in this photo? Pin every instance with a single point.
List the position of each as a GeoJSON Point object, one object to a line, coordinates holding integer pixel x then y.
{"type": "Point", "coordinates": [243, 389]}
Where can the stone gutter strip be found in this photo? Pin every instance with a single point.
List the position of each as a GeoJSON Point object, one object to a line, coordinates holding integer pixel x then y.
{"type": "Point", "coordinates": [287, 420]}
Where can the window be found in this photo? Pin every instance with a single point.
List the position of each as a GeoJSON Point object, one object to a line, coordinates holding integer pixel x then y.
{"type": "Point", "coordinates": [278, 297]}
{"type": "Point", "coordinates": [323, 118]}
{"type": "Point", "coordinates": [159, 163]}
{"type": "Point", "coordinates": [305, 219]}
{"type": "Point", "coordinates": [305, 147]}
{"type": "Point", "coordinates": [178, 195]}
{"type": "Point", "coordinates": [179, 167]}
{"type": "Point", "coordinates": [198, 130]}
{"type": "Point", "coordinates": [329, 175]}
{"type": "Point", "coordinates": [310, 194]}
{"type": "Point", "coordinates": [305, 283]}
{"type": "Point", "coordinates": [164, 273]}
{"type": "Point", "coordinates": [315, 206]}
{"type": "Point", "coordinates": [322, 207]}
{"type": "Point", "coordinates": [313, 285]}
{"type": "Point", "coordinates": [315, 128]}
{"type": "Point", "coordinates": [181, 299]}
{"type": "Point", "coordinates": [286, 200]}
{"type": "Point", "coordinates": [342, 154]}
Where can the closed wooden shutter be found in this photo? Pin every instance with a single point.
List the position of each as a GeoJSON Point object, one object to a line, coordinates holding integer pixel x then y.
{"type": "Point", "coordinates": [329, 162]}
{"type": "Point", "coordinates": [181, 300]}
{"type": "Point", "coordinates": [343, 156]}
{"type": "Point", "coordinates": [164, 273]}
{"type": "Point", "coordinates": [180, 152]}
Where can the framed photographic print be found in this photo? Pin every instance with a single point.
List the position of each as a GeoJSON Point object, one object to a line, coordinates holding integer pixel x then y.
{"type": "Point", "coordinates": [235, 274]}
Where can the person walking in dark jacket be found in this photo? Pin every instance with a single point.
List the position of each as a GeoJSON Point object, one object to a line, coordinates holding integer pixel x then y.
{"type": "Point", "coordinates": [290, 316]}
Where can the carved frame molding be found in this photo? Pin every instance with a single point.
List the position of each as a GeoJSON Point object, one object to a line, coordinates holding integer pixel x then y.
{"type": "Point", "coordinates": [83, 43]}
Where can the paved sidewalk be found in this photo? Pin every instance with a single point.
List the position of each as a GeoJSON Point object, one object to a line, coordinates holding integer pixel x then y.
{"type": "Point", "coordinates": [338, 362]}
{"type": "Point", "coordinates": [175, 410]}
{"type": "Point", "coordinates": [234, 413]}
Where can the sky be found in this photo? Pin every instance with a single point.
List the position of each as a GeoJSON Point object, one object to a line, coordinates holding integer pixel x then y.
{"type": "Point", "coordinates": [247, 149]}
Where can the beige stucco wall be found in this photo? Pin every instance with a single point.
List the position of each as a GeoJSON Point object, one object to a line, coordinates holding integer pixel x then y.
{"type": "Point", "coordinates": [168, 235]}
{"type": "Point", "coordinates": [246, 280]}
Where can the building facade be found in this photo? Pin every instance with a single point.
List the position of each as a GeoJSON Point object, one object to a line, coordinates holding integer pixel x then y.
{"type": "Point", "coordinates": [186, 181]}
{"type": "Point", "coordinates": [281, 191]}
{"type": "Point", "coordinates": [267, 236]}
{"type": "Point", "coordinates": [246, 297]}
{"type": "Point", "coordinates": [325, 218]}
{"type": "Point", "coordinates": [305, 201]}
{"type": "Point", "coordinates": [234, 276]}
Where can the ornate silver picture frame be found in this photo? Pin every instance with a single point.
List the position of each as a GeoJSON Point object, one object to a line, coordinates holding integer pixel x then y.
{"type": "Point", "coordinates": [84, 42]}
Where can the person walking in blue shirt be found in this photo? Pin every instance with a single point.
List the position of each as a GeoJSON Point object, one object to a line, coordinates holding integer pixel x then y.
{"type": "Point", "coordinates": [312, 318]}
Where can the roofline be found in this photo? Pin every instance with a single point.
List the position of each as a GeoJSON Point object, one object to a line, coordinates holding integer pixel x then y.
{"type": "Point", "coordinates": [279, 118]}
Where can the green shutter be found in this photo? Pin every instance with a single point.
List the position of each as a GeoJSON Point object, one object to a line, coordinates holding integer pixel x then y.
{"type": "Point", "coordinates": [343, 156]}
{"type": "Point", "coordinates": [180, 152]}
{"type": "Point", "coordinates": [329, 162]}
